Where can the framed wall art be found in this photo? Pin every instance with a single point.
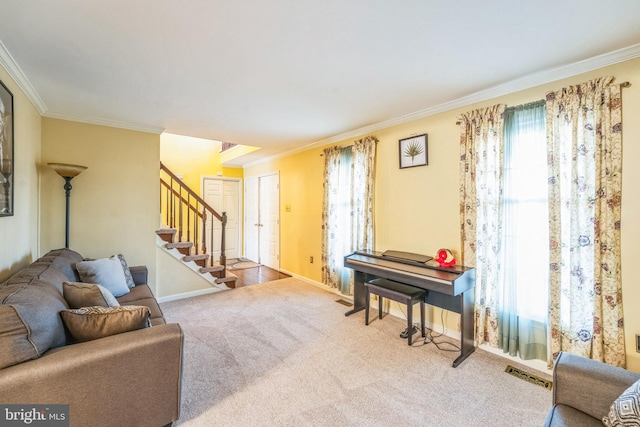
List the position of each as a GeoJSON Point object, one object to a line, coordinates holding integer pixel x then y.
{"type": "Point", "coordinates": [6, 151]}
{"type": "Point", "coordinates": [413, 151]}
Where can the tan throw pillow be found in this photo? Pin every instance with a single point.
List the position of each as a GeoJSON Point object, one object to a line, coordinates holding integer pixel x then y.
{"type": "Point", "coordinates": [79, 294]}
{"type": "Point", "coordinates": [91, 323]}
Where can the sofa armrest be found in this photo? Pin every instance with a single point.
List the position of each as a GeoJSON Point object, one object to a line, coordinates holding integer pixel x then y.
{"type": "Point", "coordinates": [103, 380]}
{"type": "Point", "coordinates": [140, 274]}
{"type": "Point", "coordinates": [588, 385]}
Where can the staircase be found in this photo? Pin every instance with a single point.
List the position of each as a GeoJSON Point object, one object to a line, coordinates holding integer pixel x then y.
{"type": "Point", "coordinates": [185, 217]}
{"type": "Point", "coordinates": [202, 260]}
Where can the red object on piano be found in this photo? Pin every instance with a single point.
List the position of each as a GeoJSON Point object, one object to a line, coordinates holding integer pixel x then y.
{"type": "Point", "coordinates": [445, 258]}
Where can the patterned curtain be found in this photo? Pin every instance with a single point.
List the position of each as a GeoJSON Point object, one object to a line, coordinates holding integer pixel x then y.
{"type": "Point", "coordinates": [347, 213]}
{"type": "Point", "coordinates": [363, 166]}
{"type": "Point", "coordinates": [330, 217]}
{"type": "Point", "coordinates": [584, 137]}
{"type": "Point", "coordinates": [481, 141]}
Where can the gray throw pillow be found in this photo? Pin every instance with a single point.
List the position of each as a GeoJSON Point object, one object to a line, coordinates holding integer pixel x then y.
{"type": "Point", "coordinates": [79, 294]}
{"type": "Point", "coordinates": [127, 273]}
{"type": "Point", "coordinates": [625, 410]}
{"type": "Point", "coordinates": [106, 272]}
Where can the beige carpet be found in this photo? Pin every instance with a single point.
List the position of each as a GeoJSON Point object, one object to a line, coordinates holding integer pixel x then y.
{"type": "Point", "coordinates": [283, 354]}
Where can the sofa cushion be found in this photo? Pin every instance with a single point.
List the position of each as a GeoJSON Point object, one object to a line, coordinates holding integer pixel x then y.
{"type": "Point", "coordinates": [90, 323]}
{"type": "Point", "coordinates": [142, 295]}
{"type": "Point", "coordinates": [566, 416]}
{"type": "Point", "coordinates": [44, 271]}
{"type": "Point", "coordinates": [79, 294]}
{"type": "Point", "coordinates": [64, 260]}
{"type": "Point", "coordinates": [34, 304]}
{"type": "Point", "coordinates": [15, 346]}
{"type": "Point", "coordinates": [625, 410]}
{"type": "Point", "coordinates": [106, 272]}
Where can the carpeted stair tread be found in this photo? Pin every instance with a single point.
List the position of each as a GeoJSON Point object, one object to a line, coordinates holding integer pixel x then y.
{"type": "Point", "coordinates": [167, 234]}
{"type": "Point", "coordinates": [199, 257]}
{"type": "Point", "coordinates": [179, 245]}
{"type": "Point", "coordinates": [212, 269]}
{"type": "Point", "coordinates": [229, 280]}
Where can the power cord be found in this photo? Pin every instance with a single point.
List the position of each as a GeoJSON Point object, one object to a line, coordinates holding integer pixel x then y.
{"type": "Point", "coordinates": [429, 337]}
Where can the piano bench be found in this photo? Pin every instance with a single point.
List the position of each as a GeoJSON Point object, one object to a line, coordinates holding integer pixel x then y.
{"type": "Point", "coordinates": [398, 292]}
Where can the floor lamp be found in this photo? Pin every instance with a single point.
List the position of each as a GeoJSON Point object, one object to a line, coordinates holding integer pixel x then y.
{"type": "Point", "coordinates": [68, 172]}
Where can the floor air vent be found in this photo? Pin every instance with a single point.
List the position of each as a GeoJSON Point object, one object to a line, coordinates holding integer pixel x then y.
{"type": "Point", "coordinates": [344, 302]}
{"type": "Point", "coordinates": [533, 379]}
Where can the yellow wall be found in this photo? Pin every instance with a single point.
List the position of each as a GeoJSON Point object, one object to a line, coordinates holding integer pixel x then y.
{"type": "Point", "coordinates": [193, 158]}
{"type": "Point", "coordinates": [417, 209]}
{"type": "Point", "coordinates": [114, 203]}
{"type": "Point", "coordinates": [19, 233]}
{"type": "Point", "coordinates": [300, 229]}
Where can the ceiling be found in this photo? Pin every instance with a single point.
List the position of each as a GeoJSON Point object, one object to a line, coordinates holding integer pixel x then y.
{"type": "Point", "coordinates": [283, 74]}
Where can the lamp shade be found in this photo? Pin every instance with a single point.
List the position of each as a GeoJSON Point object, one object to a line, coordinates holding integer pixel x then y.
{"type": "Point", "coordinates": [66, 170]}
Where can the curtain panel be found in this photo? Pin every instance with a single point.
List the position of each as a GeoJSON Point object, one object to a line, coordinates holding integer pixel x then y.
{"type": "Point", "coordinates": [347, 212]}
{"type": "Point", "coordinates": [481, 147]}
{"type": "Point", "coordinates": [584, 137]}
{"type": "Point", "coordinates": [363, 178]}
{"type": "Point", "coordinates": [330, 216]}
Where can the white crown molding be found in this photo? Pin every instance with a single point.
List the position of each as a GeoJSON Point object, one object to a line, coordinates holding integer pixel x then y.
{"type": "Point", "coordinates": [522, 83]}
{"type": "Point", "coordinates": [105, 122]}
{"type": "Point", "coordinates": [9, 64]}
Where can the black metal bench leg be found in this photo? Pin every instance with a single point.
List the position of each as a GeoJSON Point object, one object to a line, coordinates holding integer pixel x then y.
{"type": "Point", "coordinates": [409, 321]}
{"type": "Point", "coordinates": [379, 307]}
{"type": "Point", "coordinates": [422, 318]}
{"type": "Point", "coordinates": [367, 295]}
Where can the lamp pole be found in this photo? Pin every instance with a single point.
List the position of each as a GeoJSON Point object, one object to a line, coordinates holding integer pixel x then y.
{"type": "Point", "coordinates": [68, 172]}
{"type": "Point", "coordinates": [67, 194]}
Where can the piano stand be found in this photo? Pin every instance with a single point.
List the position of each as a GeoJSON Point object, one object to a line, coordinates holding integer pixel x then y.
{"type": "Point", "coordinates": [397, 292]}
{"type": "Point", "coordinates": [450, 289]}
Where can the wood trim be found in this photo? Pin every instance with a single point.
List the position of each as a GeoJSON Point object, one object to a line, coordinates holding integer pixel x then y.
{"type": "Point", "coordinates": [190, 191]}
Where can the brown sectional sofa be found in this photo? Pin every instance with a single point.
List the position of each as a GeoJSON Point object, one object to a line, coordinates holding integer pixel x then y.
{"type": "Point", "coordinates": [128, 379]}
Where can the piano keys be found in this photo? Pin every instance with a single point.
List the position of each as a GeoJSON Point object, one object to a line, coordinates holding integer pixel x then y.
{"type": "Point", "coordinates": [450, 288]}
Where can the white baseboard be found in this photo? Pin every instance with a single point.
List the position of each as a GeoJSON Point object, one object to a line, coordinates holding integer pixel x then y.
{"type": "Point", "coordinates": [189, 294]}
{"type": "Point", "coordinates": [540, 365]}
{"type": "Point", "coordinates": [318, 285]}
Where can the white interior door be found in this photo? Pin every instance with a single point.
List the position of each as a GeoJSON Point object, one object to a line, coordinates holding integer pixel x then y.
{"type": "Point", "coordinates": [251, 219]}
{"type": "Point", "coordinates": [270, 221]}
{"type": "Point", "coordinates": [262, 220]}
{"type": "Point", "coordinates": [223, 195]}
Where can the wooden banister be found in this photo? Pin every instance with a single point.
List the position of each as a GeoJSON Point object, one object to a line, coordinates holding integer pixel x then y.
{"type": "Point", "coordinates": [177, 194]}
{"type": "Point", "coordinates": [190, 191]}
{"type": "Point", "coordinates": [180, 198]}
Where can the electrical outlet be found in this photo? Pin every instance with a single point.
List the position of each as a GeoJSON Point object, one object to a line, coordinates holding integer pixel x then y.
{"type": "Point", "coordinates": [311, 259]}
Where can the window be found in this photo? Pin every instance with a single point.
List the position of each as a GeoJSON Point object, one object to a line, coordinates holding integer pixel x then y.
{"type": "Point", "coordinates": [526, 208]}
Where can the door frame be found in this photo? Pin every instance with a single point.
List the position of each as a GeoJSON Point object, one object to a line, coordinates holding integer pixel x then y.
{"type": "Point", "coordinates": [240, 205]}
{"type": "Point", "coordinates": [259, 176]}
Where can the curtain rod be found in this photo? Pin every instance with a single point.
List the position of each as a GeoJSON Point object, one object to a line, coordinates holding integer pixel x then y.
{"type": "Point", "coordinates": [346, 146]}
{"type": "Point", "coordinates": [622, 85]}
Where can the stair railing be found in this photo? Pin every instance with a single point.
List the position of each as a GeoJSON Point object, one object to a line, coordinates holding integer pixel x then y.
{"type": "Point", "coordinates": [187, 212]}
